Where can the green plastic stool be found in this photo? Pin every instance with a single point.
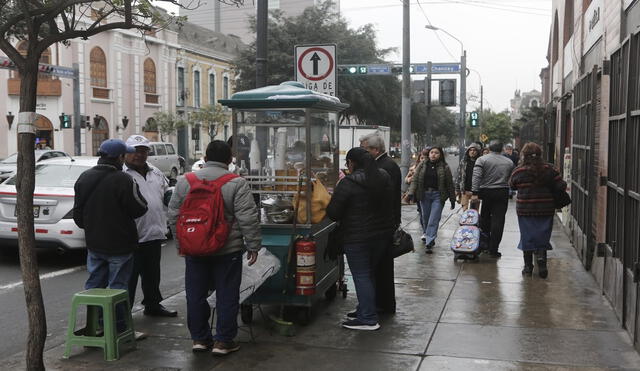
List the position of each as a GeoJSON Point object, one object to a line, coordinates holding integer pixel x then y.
{"type": "Point", "coordinates": [110, 341]}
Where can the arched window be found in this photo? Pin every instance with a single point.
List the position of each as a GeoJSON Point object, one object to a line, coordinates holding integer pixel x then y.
{"type": "Point", "coordinates": [554, 48]}
{"type": "Point", "coordinates": [150, 81]}
{"type": "Point", "coordinates": [568, 22]}
{"type": "Point", "coordinates": [98, 67]}
{"type": "Point", "coordinates": [45, 57]}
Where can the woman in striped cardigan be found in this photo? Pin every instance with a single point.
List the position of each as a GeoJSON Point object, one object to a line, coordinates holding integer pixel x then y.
{"type": "Point", "coordinates": [536, 181]}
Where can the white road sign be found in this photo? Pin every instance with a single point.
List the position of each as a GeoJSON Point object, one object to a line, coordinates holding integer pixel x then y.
{"type": "Point", "coordinates": [315, 67]}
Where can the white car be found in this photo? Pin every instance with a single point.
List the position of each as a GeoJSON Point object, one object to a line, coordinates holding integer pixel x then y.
{"type": "Point", "coordinates": [163, 156]}
{"type": "Point", "coordinates": [52, 204]}
{"type": "Point", "coordinates": [8, 165]}
{"type": "Point", "coordinates": [197, 165]}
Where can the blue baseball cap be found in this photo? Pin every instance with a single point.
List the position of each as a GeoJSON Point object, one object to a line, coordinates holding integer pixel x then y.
{"type": "Point", "coordinates": [114, 148]}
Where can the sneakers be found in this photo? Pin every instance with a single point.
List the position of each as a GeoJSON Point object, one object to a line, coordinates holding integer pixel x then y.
{"type": "Point", "coordinates": [543, 272]}
{"type": "Point", "coordinates": [140, 335]}
{"type": "Point", "coordinates": [429, 247]}
{"type": "Point", "coordinates": [221, 348]}
{"type": "Point", "coordinates": [527, 270]}
{"type": "Point", "coordinates": [424, 238]}
{"type": "Point", "coordinates": [353, 314]}
{"type": "Point", "coordinates": [355, 324]}
{"type": "Point", "coordinates": [201, 346]}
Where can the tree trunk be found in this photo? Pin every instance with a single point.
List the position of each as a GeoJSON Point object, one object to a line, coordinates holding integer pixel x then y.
{"type": "Point", "coordinates": [28, 259]}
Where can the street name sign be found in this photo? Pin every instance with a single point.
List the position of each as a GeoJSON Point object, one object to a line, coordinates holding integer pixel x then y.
{"type": "Point", "coordinates": [42, 68]}
{"type": "Point", "coordinates": [445, 68]}
{"type": "Point", "coordinates": [315, 67]}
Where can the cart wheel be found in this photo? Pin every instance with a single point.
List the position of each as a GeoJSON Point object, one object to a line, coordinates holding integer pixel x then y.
{"type": "Point", "coordinates": [344, 289]}
{"type": "Point", "coordinates": [455, 257]}
{"type": "Point", "coordinates": [331, 293]}
{"type": "Point", "coordinates": [304, 315]}
{"type": "Point", "coordinates": [246, 313]}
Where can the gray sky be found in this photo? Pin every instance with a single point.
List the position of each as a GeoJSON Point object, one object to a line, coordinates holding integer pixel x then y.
{"type": "Point", "coordinates": [506, 40]}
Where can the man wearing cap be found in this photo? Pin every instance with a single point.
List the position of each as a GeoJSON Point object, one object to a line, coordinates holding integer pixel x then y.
{"type": "Point", "coordinates": [152, 227]}
{"type": "Point", "coordinates": [107, 201]}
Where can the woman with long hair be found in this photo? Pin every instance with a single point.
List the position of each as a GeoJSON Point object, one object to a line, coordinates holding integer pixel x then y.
{"type": "Point", "coordinates": [361, 204]}
{"type": "Point", "coordinates": [424, 155]}
{"type": "Point", "coordinates": [432, 186]}
{"type": "Point", "coordinates": [536, 182]}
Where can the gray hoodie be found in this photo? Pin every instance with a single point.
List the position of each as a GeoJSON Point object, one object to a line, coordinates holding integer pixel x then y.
{"type": "Point", "coordinates": [491, 171]}
{"type": "Point", "coordinates": [239, 208]}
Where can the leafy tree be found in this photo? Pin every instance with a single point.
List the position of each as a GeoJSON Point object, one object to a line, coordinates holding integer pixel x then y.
{"type": "Point", "coordinates": [167, 123]}
{"type": "Point", "coordinates": [530, 125]}
{"type": "Point", "coordinates": [372, 99]}
{"type": "Point", "coordinates": [43, 23]}
{"type": "Point", "coordinates": [494, 126]}
{"type": "Point", "coordinates": [211, 117]}
{"type": "Point", "coordinates": [443, 125]}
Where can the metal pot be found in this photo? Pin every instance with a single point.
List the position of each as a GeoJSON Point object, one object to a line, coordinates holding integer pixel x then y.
{"type": "Point", "coordinates": [278, 210]}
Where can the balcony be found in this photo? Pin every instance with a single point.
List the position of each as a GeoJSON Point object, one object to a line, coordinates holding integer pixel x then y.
{"type": "Point", "coordinates": [46, 87]}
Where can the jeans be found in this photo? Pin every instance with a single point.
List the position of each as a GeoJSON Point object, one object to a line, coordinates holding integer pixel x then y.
{"type": "Point", "coordinates": [431, 205]}
{"type": "Point", "coordinates": [110, 271]}
{"type": "Point", "coordinates": [146, 264]}
{"type": "Point", "coordinates": [223, 274]}
{"type": "Point", "coordinates": [492, 214]}
{"type": "Point", "coordinates": [363, 257]}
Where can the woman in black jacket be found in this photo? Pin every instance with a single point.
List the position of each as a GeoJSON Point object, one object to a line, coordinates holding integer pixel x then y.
{"type": "Point", "coordinates": [361, 204]}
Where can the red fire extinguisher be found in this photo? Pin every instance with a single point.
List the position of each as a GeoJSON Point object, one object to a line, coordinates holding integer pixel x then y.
{"type": "Point", "coordinates": [305, 267]}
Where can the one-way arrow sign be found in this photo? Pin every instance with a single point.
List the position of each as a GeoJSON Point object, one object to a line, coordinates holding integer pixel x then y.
{"type": "Point", "coordinates": [315, 67]}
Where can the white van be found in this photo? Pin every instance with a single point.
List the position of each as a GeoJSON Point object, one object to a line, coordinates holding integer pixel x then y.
{"type": "Point", "coordinates": [163, 156]}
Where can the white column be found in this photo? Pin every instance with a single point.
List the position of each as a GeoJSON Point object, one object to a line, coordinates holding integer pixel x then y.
{"type": "Point", "coordinates": [136, 91]}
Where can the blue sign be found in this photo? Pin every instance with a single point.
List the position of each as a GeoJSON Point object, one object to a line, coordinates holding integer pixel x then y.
{"type": "Point", "coordinates": [379, 69]}
{"type": "Point", "coordinates": [445, 68]}
{"type": "Point", "coordinates": [420, 68]}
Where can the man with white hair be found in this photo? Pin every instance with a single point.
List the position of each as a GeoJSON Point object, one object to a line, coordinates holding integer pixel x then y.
{"type": "Point", "coordinates": [383, 273]}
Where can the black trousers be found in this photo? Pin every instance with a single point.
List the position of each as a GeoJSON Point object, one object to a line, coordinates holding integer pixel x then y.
{"type": "Point", "coordinates": [146, 264]}
{"type": "Point", "coordinates": [492, 214]}
{"type": "Point", "coordinates": [384, 280]}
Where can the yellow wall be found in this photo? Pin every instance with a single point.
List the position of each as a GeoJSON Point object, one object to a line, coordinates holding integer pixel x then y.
{"type": "Point", "coordinates": [205, 64]}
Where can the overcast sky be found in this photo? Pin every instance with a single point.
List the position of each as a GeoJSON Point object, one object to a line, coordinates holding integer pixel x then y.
{"type": "Point", "coordinates": [506, 40]}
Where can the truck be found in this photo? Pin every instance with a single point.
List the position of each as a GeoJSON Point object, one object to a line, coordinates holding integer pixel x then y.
{"type": "Point", "coordinates": [350, 137]}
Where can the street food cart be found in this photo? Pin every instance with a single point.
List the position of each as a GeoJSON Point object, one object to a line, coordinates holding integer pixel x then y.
{"type": "Point", "coordinates": [285, 143]}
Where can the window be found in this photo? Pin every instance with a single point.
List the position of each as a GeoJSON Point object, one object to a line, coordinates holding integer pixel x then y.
{"type": "Point", "coordinates": [568, 21]}
{"type": "Point", "coordinates": [225, 87]}
{"type": "Point", "coordinates": [160, 150]}
{"type": "Point", "coordinates": [196, 89]}
{"type": "Point", "coordinates": [212, 89]}
{"type": "Point", "coordinates": [150, 81]}
{"type": "Point", "coordinates": [98, 63]}
{"type": "Point", "coordinates": [181, 92]}
{"type": "Point", "coordinates": [170, 149]}
{"type": "Point", "coordinates": [45, 58]}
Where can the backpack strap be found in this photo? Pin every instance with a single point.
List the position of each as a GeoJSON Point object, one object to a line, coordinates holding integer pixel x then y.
{"type": "Point", "coordinates": [224, 179]}
{"type": "Point", "coordinates": [191, 178]}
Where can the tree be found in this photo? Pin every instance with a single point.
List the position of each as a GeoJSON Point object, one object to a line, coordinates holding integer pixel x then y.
{"type": "Point", "coordinates": [43, 23]}
{"type": "Point", "coordinates": [443, 125]}
{"type": "Point", "coordinates": [496, 126]}
{"type": "Point", "coordinates": [211, 117]}
{"type": "Point", "coordinates": [372, 99]}
{"type": "Point", "coordinates": [167, 123]}
{"type": "Point", "coordinates": [530, 125]}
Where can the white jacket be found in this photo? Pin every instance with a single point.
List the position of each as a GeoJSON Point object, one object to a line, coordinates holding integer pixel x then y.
{"type": "Point", "coordinates": [152, 225]}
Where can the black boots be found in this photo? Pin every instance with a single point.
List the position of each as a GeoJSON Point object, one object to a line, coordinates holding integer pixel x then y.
{"type": "Point", "coordinates": [541, 255]}
{"type": "Point", "coordinates": [528, 263]}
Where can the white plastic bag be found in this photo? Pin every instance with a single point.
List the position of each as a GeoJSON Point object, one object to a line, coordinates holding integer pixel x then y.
{"type": "Point", "coordinates": [253, 276]}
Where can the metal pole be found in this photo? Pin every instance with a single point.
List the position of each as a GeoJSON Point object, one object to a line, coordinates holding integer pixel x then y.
{"type": "Point", "coordinates": [481, 104]}
{"type": "Point", "coordinates": [77, 122]}
{"type": "Point", "coordinates": [406, 93]}
{"type": "Point", "coordinates": [463, 101]}
{"type": "Point", "coordinates": [261, 43]}
{"type": "Point", "coordinates": [427, 101]}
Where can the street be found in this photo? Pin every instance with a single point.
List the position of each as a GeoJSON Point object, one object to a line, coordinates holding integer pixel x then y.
{"type": "Point", "coordinates": [61, 277]}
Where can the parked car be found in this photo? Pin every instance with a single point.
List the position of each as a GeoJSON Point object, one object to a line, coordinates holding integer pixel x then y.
{"type": "Point", "coordinates": [53, 198]}
{"type": "Point", "coordinates": [164, 157]}
{"type": "Point", "coordinates": [197, 165]}
{"type": "Point", "coordinates": [9, 165]}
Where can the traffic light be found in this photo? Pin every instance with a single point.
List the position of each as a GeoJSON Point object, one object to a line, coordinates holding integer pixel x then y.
{"type": "Point", "coordinates": [353, 70]}
{"type": "Point", "coordinates": [65, 121]}
{"type": "Point", "coordinates": [474, 119]}
{"type": "Point", "coordinates": [396, 70]}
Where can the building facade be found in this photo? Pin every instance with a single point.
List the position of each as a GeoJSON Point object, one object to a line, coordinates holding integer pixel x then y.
{"type": "Point", "coordinates": [234, 20]}
{"type": "Point", "coordinates": [592, 123]}
{"type": "Point", "coordinates": [124, 79]}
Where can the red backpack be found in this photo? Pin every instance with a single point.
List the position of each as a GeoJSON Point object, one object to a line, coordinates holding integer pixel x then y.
{"type": "Point", "coordinates": [201, 228]}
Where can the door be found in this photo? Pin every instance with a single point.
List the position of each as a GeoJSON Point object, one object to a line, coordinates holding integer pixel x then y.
{"type": "Point", "coordinates": [623, 186]}
{"type": "Point", "coordinates": [99, 133]}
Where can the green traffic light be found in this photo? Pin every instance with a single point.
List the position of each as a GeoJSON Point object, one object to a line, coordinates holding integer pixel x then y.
{"type": "Point", "coordinates": [352, 69]}
{"type": "Point", "coordinates": [362, 69]}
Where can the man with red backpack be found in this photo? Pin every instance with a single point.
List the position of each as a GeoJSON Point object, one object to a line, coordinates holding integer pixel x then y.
{"type": "Point", "coordinates": [215, 219]}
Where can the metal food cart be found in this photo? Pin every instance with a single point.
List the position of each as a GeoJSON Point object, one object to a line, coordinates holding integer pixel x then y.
{"type": "Point", "coordinates": [285, 139]}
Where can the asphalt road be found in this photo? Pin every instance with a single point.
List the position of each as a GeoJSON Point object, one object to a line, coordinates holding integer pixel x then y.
{"type": "Point", "coordinates": [61, 277]}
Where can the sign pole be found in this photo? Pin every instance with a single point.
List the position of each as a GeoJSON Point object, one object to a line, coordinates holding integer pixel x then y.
{"type": "Point", "coordinates": [463, 102]}
{"type": "Point", "coordinates": [77, 122]}
{"type": "Point", "coordinates": [406, 93]}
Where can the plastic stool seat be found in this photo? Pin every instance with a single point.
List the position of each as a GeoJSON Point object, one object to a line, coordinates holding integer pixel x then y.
{"type": "Point", "coordinates": [110, 340]}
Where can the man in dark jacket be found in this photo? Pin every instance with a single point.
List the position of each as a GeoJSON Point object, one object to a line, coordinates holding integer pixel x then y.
{"type": "Point", "coordinates": [385, 289]}
{"type": "Point", "coordinates": [491, 184]}
{"type": "Point", "coordinates": [107, 201]}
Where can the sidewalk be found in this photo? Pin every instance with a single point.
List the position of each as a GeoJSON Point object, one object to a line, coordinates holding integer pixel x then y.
{"type": "Point", "coordinates": [451, 316]}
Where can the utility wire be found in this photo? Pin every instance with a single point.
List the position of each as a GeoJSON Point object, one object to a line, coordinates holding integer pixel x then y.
{"type": "Point", "coordinates": [436, 32]}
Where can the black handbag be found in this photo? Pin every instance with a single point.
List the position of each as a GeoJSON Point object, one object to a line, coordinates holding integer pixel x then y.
{"type": "Point", "coordinates": [402, 243]}
{"type": "Point", "coordinates": [334, 244]}
{"type": "Point", "coordinates": [560, 198]}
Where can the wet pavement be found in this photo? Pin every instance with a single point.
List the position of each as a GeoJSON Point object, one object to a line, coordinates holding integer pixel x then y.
{"type": "Point", "coordinates": [481, 315]}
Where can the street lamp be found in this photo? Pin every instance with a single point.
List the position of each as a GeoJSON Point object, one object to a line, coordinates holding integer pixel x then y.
{"type": "Point", "coordinates": [10, 118]}
{"type": "Point", "coordinates": [463, 88]}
